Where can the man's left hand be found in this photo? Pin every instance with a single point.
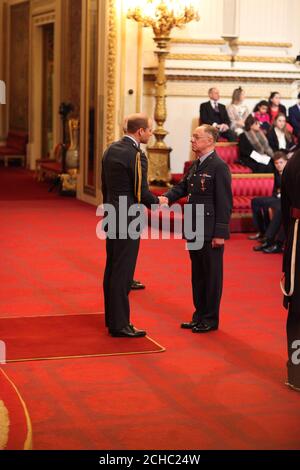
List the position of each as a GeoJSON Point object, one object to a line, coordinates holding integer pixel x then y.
{"type": "Point", "coordinates": [217, 242]}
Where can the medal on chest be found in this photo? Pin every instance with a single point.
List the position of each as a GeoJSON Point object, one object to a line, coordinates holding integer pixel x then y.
{"type": "Point", "coordinates": [203, 179]}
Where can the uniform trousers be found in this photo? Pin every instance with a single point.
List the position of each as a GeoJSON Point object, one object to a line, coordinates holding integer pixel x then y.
{"type": "Point", "coordinates": [121, 256]}
{"type": "Point", "coordinates": [293, 328]}
{"type": "Point", "coordinates": [207, 283]}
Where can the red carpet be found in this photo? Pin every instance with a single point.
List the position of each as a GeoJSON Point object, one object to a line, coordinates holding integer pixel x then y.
{"type": "Point", "coordinates": [224, 390]}
{"type": "Point", "coordinates": [66, 337]}
{"type": "Point", "coordinates": [15, 425]}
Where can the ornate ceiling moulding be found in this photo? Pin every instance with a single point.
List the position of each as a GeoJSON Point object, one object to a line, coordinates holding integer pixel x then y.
{"type": "Point", "coordinates": [227, 58]}
{"type": "Point", "coordinates": [39, 20]}
{"type": "Point", "coordinates": [221, 42]}
{"type": "Point", "coordinates": [209, 78]}
{"type": "Point", "coordinates": [111, 73]}
{"type": "Point", "coordinates": [209, 42]}
{"type": "Point", "coordinates": [265, 44]}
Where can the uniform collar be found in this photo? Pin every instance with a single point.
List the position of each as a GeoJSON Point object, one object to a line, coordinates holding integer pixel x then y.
{"type": "Point", "coordinates": [204, 157]}
{"type": "Point", "coordinates": [136, 143]}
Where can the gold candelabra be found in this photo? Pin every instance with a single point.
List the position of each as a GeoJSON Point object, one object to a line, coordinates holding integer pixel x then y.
{"type": "Point", "coordinates": [162, 16]}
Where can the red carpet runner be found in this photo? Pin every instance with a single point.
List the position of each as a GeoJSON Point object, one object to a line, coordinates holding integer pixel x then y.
{"type": "Point", "coordinates": [224, 390]}
{"type": "Point", "coordinates": [66, 337]}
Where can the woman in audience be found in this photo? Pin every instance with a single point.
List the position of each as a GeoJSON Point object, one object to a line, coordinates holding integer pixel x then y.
{"type": "Point", "coordinates": [261, 114]}
{"type": "Point", "coordinates": [253, 139]}
{"type": "Point", "coordinates": [238, 111]}
{"type": "Point", "coordinates": [275, 106]}
{"type": "Point", "coordinates": [278, 136]}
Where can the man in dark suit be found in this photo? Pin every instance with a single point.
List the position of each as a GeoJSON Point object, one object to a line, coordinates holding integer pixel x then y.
{"type": "Point", "coordinates": [215, 114]}
{"type": "Point", "coordinates": [294, 117]}
{"type": "Point", "coordinates": [124, 175]}
{"type": "Point", "coordinates": [270, 233]}
{"type": "Point", "coordinates": [208, 182]}
{"type": "Point", "coordinates": [290, 199]}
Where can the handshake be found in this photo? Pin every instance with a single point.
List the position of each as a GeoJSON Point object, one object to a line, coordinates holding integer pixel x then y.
{"type": "Point", "coordinates": [163, 200]}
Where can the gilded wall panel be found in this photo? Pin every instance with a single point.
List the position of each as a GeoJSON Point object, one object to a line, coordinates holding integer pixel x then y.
{"type": "Point", "coordinates": [19, 67]}
{"type": "Point", "coordinates": [75, 54]}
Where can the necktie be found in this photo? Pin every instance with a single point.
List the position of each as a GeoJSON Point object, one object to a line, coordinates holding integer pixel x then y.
{"type": "Point", "coordinates": [216, 106]}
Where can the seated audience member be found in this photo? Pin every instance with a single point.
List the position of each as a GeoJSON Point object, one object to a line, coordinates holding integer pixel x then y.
{"type": "Point", "coordinates": [294, 117]}
{"type": "Point", "coordinates": [261, 114]}
{"type": "Point", "coordinates": [278, 136]}
{"type": "Point", "coordinates": [214, 113]}
{"type": "Point", "coordinates": [253, 139]}
{"type": "Point", "coordinates": [238, 111]}
{"type": "Point", "coordinates": [270, 231]}
{"type": "Point", "coordinates": [276, 108]}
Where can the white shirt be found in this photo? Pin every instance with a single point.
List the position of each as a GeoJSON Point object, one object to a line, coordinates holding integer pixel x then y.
{"type": "Point", "coordinates": [281, 138]}
{"type": "Point", "coordinates": [204, 157]}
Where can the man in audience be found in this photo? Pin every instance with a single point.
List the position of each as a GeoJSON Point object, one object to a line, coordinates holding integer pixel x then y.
{"type": "Point", "coordinates": [294, 117]}
{"type": "Point", "coordinates": [215, 114]}
{"type": "Point", "coordinates": [270, 233]}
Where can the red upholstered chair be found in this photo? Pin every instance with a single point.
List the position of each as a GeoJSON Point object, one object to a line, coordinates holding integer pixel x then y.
{"type": "Point", "coordinates": [15, 147]}
{"type": "Point", "coordinates": [244, 189]}
{"type": "Point", "coordinates": [50, 167]}
{"type": "Point", "coordinates": [228, 153]}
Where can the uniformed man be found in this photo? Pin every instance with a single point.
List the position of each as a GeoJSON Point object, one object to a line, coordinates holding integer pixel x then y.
{"type": "Point", "coordinates": [124, 173]}
{"type": "Point", "coordinates": [208, 182]}
{"type": "Point", "coordinates": [290, 200]}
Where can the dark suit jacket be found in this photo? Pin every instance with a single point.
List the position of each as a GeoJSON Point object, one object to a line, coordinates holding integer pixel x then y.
{"type": "Point", "coordinates": [208, 115]}
{"type": "Point", "coordinates": [118, 175]}
{"type": "Point", "coordinates": [294, 118]}
{"type": "Point", "coordinates": [246, 149]}
{"type": "Point", "coordinates": [208, 184]}
{"type": "Point", "coordinates": [273, 141]}
{"type": "Point", "coordinates": [290, 198]}
{"type": "Point", "coordinates": [277, 183]}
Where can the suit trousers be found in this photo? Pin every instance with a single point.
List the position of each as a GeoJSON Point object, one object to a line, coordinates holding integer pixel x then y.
{"type": "Point", "coordinates": [260, 207]}
{"type": "Point", "coordinates": [121, 256]}
{"type": "Point", "coordinates": [207, 283]}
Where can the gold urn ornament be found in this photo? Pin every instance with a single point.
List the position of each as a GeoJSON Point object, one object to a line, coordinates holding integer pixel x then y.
{"type": "Point", "coordinates": [72, 156]}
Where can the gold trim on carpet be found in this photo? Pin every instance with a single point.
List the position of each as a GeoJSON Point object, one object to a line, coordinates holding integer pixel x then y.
{"type": "Point", "coordinates": [129, 353]}
{"type": "Point", "coordinates": [28, 441]}
{"type": "Point", "coordinates": [4, 425]}
{"type": "Point", "coordinates": [51, 315]}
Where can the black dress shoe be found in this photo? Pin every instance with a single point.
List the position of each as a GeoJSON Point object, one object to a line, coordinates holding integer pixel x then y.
{"type": "Point", "coordinates": [261, 247]}
{"type": "Point", "coordinates": [127, 332]}
{"type": "Point", "coordinates": [137, 285]}
{"type": "Point", "coordinates": [293, 387]}
{"type": "Point", "coordinates": [188, 325]}
{"type": "Point", "coordinates": [257, 236]}
{"type": "Point", "coordinates": [276, 248]}
{"type": "Point", "coordinates": [203, 328]}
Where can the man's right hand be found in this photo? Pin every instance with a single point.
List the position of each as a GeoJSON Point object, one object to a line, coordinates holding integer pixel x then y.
{"type": "Point", "coordinates": [163, 200]}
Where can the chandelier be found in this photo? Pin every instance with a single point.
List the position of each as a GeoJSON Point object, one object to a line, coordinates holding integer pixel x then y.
{"type": "Point", "coordinates": [162, 16]}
